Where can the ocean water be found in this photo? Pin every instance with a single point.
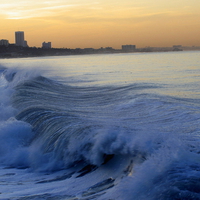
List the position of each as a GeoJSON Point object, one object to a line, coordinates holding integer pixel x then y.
{"type": "Point", "coordinates": [114, 126]}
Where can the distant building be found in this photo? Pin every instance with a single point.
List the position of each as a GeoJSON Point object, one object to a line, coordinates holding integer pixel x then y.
{"type": "Point", "coordinates": [25, 43]}
{"type": "Point", "coordinates": [19, 38]}
{"type": "Point", "coordinates": [128, 47]}
{"type": "Point", "coordinates": [109, 48]}
{"type": "Point", "coordinates": [88, 50]}
{"type": "Point", "coordinates": [4, 43]}
{"type": "Point", "coordinates": [46, 45]}
{"type": "Point", "coordinates": [177, 46]}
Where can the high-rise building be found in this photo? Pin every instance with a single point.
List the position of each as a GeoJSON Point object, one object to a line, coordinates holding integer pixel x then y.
{"type": "Point", "coordinates": [19, 38]}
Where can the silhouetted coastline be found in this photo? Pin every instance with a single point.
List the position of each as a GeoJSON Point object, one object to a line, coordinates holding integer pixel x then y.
{"type": "Point", "coordinates": [13, 51]}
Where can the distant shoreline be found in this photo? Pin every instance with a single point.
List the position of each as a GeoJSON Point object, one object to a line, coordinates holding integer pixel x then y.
{"type": "Point", "coordinates": [26, 52]}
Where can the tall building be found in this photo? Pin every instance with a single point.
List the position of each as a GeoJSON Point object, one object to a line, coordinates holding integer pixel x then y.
{"type": "Point", "coordinates": [19, 38]}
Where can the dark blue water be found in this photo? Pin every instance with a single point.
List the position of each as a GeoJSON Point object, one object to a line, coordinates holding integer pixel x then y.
{"type": "Point", "coordinates": [121, 126]}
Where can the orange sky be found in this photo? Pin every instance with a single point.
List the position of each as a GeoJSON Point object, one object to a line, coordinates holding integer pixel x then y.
{"type": "Point", "coordinates": [103, 23]}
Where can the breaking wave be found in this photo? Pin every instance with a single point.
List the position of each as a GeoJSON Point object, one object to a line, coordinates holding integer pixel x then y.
{"type": "Point", "coordinates": [47, 125]}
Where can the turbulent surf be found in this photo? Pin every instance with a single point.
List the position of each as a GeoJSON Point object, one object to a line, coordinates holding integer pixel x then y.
{"type": "Point", "coordinates": [65, 141]}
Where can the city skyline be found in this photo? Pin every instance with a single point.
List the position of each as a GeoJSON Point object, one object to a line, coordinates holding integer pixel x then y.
{"type": "Point", "coordinates": [21, 49]}
{"type": "Point", "coordinates": [82, 24]}
{"type": "Point", "coordinates": [21, 42]}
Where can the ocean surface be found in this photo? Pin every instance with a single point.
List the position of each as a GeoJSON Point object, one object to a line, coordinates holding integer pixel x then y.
{"type": "Point", "coordinates": [105, 127]}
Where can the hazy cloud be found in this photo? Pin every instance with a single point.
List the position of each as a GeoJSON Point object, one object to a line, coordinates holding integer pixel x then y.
{"type": "Point", "coordinates": [30, 9]}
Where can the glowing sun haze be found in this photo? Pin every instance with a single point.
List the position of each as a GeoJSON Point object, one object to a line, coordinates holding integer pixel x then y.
{"type": "Point", "coordinates": [103, 23]}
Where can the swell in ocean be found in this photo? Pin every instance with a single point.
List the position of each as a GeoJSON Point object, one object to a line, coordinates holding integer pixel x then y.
{"type": "Point", "coordinates": [119, 142]}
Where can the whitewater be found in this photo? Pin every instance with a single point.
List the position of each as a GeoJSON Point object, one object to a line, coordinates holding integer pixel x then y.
{"type": "Point", "coordinates": [105, 127]}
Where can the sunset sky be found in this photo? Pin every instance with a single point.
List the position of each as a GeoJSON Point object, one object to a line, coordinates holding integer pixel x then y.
{"type": "Point", "coordinates": [102, 23]}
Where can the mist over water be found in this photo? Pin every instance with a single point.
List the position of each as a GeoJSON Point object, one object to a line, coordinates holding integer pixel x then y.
{"type": "Point", "coordinates": [117, 126]}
